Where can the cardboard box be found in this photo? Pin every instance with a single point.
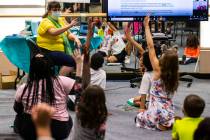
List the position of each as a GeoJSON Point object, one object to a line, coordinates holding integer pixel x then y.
{"type": "Point", "coordinates": [8, 72]}
{"type": "Point", "coordinates": [7, 81]}
{"type": "Point", "coordinates": [204, 63]}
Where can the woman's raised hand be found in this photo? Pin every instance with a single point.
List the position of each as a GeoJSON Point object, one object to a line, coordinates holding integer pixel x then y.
{"type": "Point", "coordinates": [73, 22]}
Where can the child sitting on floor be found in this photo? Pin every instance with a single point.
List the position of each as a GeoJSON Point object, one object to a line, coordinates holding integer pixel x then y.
{"type": "Point", "coordinates": [192, 50]}
{"type": "Point", "coordinates": [146, 69]}
{"type": "Point", "coordinates": [193, 108]}
{"type": "Point", "coordinates": [160, 112]}
{"type": "Point", "coordinates": [146, 82]}
{"type": "Point", "coordinates": [98, 75]}
{"type": "Point", "coordinates": [91, 115]}
{"type": "Point", "coordinates": [113, 47]}
{"type": "Point", "coordinates": [43, 86]}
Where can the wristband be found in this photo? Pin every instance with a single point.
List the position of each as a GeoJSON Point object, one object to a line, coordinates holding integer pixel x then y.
{"type": "Point", "coordinates": [78, 79]}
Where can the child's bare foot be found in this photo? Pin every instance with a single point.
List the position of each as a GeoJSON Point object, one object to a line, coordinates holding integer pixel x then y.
{"type": "Point", "coordinates": [163, 128]}
{"type": "Point", "coordinates": [109, 114]}
{"type": "Point", "coordinates": [177, 118]}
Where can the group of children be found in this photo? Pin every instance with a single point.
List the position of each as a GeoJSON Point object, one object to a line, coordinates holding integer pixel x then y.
{"type": "Point", "coordinates": [44, 86]}
{"type": "Point", "coordinates": [158, 86]}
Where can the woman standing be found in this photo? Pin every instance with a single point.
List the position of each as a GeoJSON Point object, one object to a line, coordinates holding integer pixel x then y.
{"type": "Point", "coordinates": [53, 38]}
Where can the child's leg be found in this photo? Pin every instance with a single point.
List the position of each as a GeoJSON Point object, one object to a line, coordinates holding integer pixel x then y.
{"type": "Point", "coordinates": [128, 48]}
{"type": "Point", "coordinates": [190, 60]}
{"type": "Point", "coordinates": [143, 101]}
{"type": "Point", "coordinates": [112, 59]}
{"type": "Point", "coordinates": [137, 100]}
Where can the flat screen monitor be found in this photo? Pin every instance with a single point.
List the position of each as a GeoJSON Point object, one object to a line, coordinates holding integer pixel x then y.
{"type": "Point", "coordinates": [83, 29]}
{"type": "Point", "coordinates": [136, 10]}
{"type": "Point", "coordinates": [95, 1]}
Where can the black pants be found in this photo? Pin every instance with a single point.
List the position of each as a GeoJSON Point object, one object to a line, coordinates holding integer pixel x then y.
{"type": "Point", "coordinates": [189, 60]}
{"type": "Point", "coordinates": [25, 127]}
{"type": "Point", "coordinates": [121, 56]}
{"type": "Point", "coordinates": [59, 58]}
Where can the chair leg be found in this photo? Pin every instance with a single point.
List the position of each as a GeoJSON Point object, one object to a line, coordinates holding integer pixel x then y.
{"type": "Point", "coordinates": [16, 79]}
{"type": "Point", "coordinates": [182, 32]}
{"type": "Point", "coordinates": [196, 66]}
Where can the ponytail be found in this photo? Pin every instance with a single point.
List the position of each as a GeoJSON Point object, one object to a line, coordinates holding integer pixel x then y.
{"type": "Point", "coordinates": [45, 15]}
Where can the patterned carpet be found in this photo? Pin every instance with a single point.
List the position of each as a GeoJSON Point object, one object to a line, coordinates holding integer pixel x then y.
{"type": "Point", "coordinates": [120, 124]}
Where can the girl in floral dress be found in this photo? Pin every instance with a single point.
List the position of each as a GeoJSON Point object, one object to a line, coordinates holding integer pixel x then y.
{"type": "Point", "coordinates": [160, 112]}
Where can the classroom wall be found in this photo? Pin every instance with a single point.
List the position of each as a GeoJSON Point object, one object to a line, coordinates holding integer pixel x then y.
{"type": "Point", "coordinates": [5, 65]}
{"type": "Point", "coordinates": [9, 26]}
{"type": "Point", "coordinates": [205, 34]}
{"type": "Point", "coordinates": [13, 25]}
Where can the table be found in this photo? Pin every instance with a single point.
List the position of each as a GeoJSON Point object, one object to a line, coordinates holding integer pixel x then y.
{"type": "Point", "coordinates": [16, 49]}
{"type": "Point", "coordinates": [166, 38]}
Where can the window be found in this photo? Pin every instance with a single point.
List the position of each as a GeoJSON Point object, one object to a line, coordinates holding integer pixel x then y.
{"type": "Point", "coordinates": [12, 13]}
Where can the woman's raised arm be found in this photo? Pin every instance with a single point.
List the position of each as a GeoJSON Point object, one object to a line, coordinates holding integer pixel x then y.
{"type": "Point", "coordinates": [58, 31]}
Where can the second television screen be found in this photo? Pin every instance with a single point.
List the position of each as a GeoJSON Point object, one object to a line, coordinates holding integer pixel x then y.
{"type": "Point", "coordinates": [130, 10]}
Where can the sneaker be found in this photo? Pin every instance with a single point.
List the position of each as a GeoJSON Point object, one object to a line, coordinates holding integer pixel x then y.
{"type": "Point", "coordinates": [127, 60]}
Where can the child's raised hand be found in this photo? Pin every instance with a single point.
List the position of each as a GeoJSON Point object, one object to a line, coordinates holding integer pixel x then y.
{"type": "Point", "coordinates": [146, 21]}
{"type": "Point", "coordinates": [79, 44]}
{"type": "Point", "coordinates": [41, 115]}
{"type": "Point", "coordinates": [91, 25]}
{"type": "Point", "coordinates": [127, 31]}
{"type": "Point", "coordinates": [77, 56]}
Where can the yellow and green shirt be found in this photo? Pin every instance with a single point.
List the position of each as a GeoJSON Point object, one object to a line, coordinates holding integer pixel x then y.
{"type": "Point", "coordinates": [184, 129]}
{"type": "Point", "coordinates": [47, 41]}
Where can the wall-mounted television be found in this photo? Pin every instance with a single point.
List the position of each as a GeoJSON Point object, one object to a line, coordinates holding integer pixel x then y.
{"type": "Point", "coordinates": [95, 1]}
{"type": "Point", "coordinates": [136, 10]}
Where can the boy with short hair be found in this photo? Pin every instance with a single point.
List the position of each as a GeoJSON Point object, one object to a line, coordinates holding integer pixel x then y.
{"type": "Point", "coordinates": [97, 75]}
{"type": "Point", "coordinates": [193, 108]}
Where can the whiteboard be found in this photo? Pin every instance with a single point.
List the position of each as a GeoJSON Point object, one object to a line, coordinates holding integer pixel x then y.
{"type": "Point", "coordinates": [205, 34]}
{"type": "Point", "coordinates": [72, 1]}
{"type": "Point", "coordinates": [22, 2]}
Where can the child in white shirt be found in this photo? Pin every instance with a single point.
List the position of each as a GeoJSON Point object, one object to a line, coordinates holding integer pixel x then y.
{"type": "Point", "coordinates": [98, 75]}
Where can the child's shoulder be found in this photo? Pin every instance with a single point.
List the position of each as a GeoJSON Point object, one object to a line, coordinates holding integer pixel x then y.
{"type": "Point", "coordinates": [188, 120]}
{"type": "Point", "coordinates": [103, 72]}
